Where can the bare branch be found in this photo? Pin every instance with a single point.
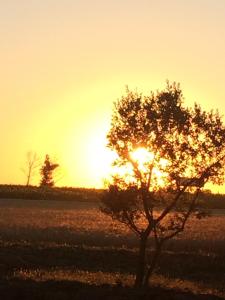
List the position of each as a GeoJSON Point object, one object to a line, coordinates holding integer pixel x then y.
{"type": "Point", "coordinates": [31, 166]}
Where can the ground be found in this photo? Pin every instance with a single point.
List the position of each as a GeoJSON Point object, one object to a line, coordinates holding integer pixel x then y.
{"type": "Point", "coordinates": [70, 250]}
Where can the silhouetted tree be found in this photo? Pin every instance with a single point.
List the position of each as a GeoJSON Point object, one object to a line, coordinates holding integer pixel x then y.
{"type": "Point", "coordinates": [47, 172]}
{"type": "Point", "coordinates": [31, 166]}
{"type": "Point", "coordinates": [183, 148]}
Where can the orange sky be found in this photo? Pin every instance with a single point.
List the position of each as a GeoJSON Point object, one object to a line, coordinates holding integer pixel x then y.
{"type": "Point", "coordinates": [63, 63]}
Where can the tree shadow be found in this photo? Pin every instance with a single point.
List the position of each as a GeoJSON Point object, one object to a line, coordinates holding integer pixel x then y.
{"type": "Point", "coordinates": [67, 290]}
{"type": "Point", "coordinates": [100, 238]}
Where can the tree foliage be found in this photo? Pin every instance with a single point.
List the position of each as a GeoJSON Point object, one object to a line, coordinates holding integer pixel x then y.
{"type": "Point", "coordinates": [47, 172]}
{"type": "Point", "coordinates": [186, 149]}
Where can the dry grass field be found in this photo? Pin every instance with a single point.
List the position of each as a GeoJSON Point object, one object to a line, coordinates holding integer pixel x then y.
{"type": "Point", "coordinates": [70, 250]}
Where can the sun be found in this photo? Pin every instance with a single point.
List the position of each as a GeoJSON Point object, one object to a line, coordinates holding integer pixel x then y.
{"type": "Point", "coordinates": [142, 156]}
{"type": "Point", "coordinates": [144, 159]}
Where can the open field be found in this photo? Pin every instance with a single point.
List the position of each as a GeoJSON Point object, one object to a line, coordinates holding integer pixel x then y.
{"type": "Point", "coordinates": [70, 250]}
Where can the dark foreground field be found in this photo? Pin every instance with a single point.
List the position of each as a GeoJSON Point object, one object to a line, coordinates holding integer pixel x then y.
{"type": "Point", "coordinates": [69, 250]}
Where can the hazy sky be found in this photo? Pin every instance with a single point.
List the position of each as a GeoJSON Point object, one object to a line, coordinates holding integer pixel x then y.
{"type": "Point", "coordinates": [64, 62]}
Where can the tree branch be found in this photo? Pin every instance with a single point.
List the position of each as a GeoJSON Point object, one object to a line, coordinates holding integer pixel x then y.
{"type": "Point", "coordinates": [190, 210]}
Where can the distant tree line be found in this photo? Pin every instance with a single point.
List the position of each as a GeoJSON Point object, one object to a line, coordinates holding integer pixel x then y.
{"type": "Point", "coordinates": [212, 201]}
{"type": "Point", "coordinates": [56, 193]}
{"type": "Point", "coordinates": [207, 200]}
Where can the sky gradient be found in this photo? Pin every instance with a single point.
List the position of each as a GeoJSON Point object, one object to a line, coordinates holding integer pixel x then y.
{"type": "Point", "coordinates": [64, 63]}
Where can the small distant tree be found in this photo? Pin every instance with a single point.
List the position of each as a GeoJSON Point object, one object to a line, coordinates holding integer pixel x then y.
{"type": "Point", "coordinates": [31, 166]}
{"type": "Point", "coordinates": [180, 150]}
{"type": "Point", "coordinates": [47, 172]}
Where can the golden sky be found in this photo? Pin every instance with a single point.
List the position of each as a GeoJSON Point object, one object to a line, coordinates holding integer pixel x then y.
{"type": "Point", "coordinates": [63, 63]}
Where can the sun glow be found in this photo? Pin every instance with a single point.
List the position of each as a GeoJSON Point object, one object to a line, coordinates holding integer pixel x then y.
{"type": "Point", "coordinates": [100, 159]}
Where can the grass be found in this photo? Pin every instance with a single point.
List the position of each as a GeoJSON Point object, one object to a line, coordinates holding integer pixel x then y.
{"type": "Point", "coordinates": [70, 250]}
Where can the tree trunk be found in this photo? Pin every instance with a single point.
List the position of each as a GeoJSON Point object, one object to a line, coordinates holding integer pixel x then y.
{"type": "Point", "coordinates": [152, 266]}
{"type": "Point", "coordinates": [141, 266]}
{"type": "Point", "coordinates": [28, 178]}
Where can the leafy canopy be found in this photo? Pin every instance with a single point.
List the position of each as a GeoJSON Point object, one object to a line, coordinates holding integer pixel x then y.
{"type": "Point", "coordinates": [190, 140]}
